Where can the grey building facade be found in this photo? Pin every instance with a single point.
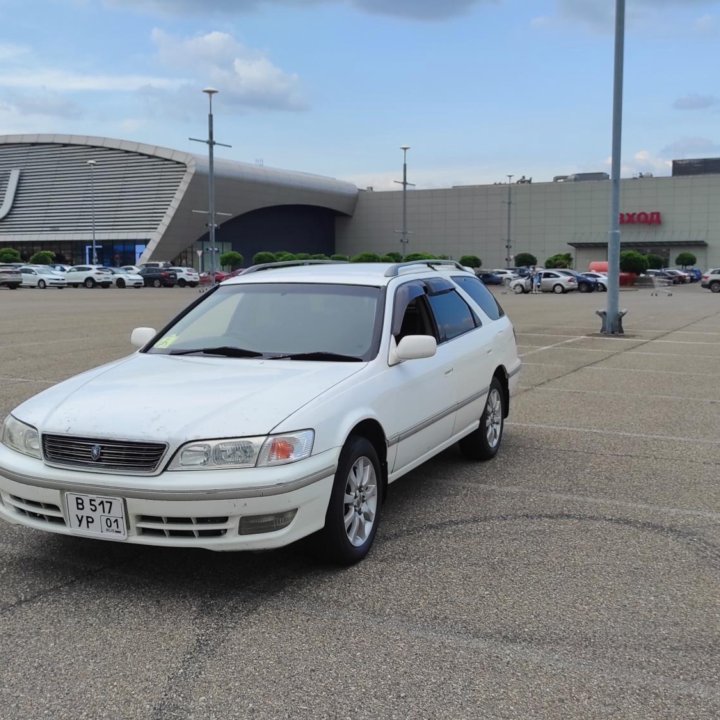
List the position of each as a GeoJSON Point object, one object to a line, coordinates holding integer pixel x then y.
{"type": "Point", "coordinates": [141, 202]}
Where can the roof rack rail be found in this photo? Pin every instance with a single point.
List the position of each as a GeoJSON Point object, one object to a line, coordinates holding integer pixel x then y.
{"type": "Point", "coordinates": [289, 263]}
{"type": "Point", "coordinates": [395, 269]}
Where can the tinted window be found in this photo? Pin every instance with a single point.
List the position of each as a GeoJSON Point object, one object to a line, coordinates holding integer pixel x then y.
{"type": "Point", "coordinates": [452, 314]}
{"type": "Point", "coordinates": [481, 295]}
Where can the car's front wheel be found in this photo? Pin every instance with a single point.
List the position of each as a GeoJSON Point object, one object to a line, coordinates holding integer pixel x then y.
{"type": "Point", "coordinates": [518, 289]}
{"type": "Point", "coordinates": [89, 283]}
{"type": "Point", "coordinates": [181, 282]}
{"type": "Point", "coordinates": [120, 283]}
{"type": "Point", "coordinates": [484, 443]}
{"type": "Point", "coordinates": [41, 284]}
{"type": "Point", "coordinates": [353, 513]}
{"type": "Point", "coordinates": [714, 286]}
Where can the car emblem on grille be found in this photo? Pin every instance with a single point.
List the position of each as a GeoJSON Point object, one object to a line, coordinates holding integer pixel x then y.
{"type": "Point", "coordinates": [95, 452]}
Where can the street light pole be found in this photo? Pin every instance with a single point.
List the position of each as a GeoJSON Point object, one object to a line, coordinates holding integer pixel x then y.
{"type": "Point", "coordinates": [404, 232]}
{"type": "Point", "coordinates": [508, 243]}
{"type": "Point", "coordinates": [92, 164]}
{"type": "Point", "coordinates": [211, 143]}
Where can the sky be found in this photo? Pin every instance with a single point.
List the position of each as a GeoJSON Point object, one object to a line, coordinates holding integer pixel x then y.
{"type": "Point", "coordinates": [478, 89]}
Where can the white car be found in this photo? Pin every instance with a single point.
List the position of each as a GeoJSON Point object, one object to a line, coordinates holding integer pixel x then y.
{"type": "Point", "coordinates": [550, 281]}
{"type": "Point", "coordinates": [505, 274]}
{"type": "Point", "coordinates": [602, 279]}
{"type": "Point", "coordinates": [281, 404]}
{"type": "Point", "coordinates": [42, 276]}
{"type": "Point", "coordinates": [89, 275]}
{"type": "Point", "coordinates": [124, 278]}
{"type": "Point", "coordinates": [131, 268]}
{"type": "Point", "coordinates": [186, 276]}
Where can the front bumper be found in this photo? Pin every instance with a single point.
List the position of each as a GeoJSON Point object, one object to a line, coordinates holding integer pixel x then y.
{"type": "Point", "coordinates": [200, 509]}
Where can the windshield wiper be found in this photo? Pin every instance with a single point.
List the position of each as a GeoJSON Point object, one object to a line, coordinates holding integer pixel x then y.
{"type": "Point", "coordinates": [224, 350]}
{"type": "Point", "coordinates": [317, 355]}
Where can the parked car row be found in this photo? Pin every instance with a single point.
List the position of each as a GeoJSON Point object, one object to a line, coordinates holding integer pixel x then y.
{"type": "Point", "coordinates": [15, 275]}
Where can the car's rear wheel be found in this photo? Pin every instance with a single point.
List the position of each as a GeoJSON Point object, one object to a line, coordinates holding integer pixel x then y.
{"type": "Point", "coordinates": [120, 283]}
{"type": "Point", "coordinates": [41, 284]}
{"type": "Point", "coordinates": [558, 289]}
{"type": "Point", "coordinates": [89, 283]}
{"type": "Point", "coordinates": [484, 443]}
{"type": "Point", "coordinates": [714, 286]}
{"type": "Point", "coordinates": [582, 287]}
{"type": "Point", "coordinates": [353, 513]}
{"type": "Point", "coordinates": [156, 283]}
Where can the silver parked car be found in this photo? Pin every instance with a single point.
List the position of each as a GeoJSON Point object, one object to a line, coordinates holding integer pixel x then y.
{"type": "Point", "coordinates": [550, 281]}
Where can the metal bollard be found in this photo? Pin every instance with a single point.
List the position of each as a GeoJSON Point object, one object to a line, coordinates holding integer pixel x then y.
{"type": "Point", "coordinates": [605, 329]}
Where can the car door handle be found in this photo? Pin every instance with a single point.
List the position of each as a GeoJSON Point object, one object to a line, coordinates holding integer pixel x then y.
{"type": "Point", "coordinates": [449, 371]}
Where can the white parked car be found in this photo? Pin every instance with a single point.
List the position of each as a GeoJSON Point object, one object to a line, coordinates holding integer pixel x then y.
{"type": "Point", "coordinates": [42, 276]}
{"type": "Point", "coordinates": [505, 274]}
{"type": "Point", "coordinates": [550, 281]}
{"type": "Point", "coordinates": [124, 278]}
{"type": "Point", "coordinates": [602, 279]}
{"type": "Point", "coordinates": [336, 379]}
{"type": "Point", "coordinates": [186, 276]}
{"type": "Point", "coordinates": [89, 276]}
{"type": "Point", "coordinates": [131, 268]}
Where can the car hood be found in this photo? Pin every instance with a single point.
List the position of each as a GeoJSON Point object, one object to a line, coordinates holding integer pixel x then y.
{"type": "Point", "coordinates": [161, 398]}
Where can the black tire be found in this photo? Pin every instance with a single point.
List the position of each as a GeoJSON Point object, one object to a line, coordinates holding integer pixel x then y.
{"type": "Point", "coordinates": [519, 289]}
{"type": "Point", "coordinates": [42, 284]}
{"type": "Point", "coordinates": [156, 283]}
{"type": "Point", "coordinates": [182, 282]}
{"type": "Point", "coordinates": [120, 283]}
{"type": "Point", "coordinates": [714, 286]}
{"type": "Point", "coordinates": [89, 283]}
{"type": "Point", "coordinates": [484, 442]}
{"type": "Point", "coordinates": [558, 289]}
{"type": "Point", "coordinates": [75, 285]}
{"type": "Point", "coordinates": [353, 513]}
{"type": "Point", "coordinates": [193, 284]}
{"type": "Point", "coordinates": [14, 286]}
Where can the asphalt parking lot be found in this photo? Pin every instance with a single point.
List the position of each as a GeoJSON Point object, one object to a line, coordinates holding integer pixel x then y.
{"type": "Point", "coordinates": [575, 576]}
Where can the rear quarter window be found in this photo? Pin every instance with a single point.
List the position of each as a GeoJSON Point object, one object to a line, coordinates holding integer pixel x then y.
{"type": "Point", "coordinates": [476, 289]}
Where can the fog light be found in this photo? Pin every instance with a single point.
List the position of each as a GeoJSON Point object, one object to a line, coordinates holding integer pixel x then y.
{"type": "Point", "coordinates": [254, 524]}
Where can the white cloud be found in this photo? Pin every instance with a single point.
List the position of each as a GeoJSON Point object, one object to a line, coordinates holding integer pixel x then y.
{"type": "Point", "coordinates": [695, 102]}
{"type": "Point", "coordinates": [245, 76]}
{"type": "Point", "coordinates": [61, 80]}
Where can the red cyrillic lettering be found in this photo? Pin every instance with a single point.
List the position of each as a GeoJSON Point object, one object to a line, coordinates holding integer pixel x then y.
{"type": "Point", "coordinates": [655, 218]}
{"type": "Point", "coordinates": [630, 218]}
{"type": "Point", "coordinates": [643, 218]}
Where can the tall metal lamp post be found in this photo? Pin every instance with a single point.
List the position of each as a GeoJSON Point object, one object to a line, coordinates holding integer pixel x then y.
{"type": "Point", "coordinates": [404, 232]}
{"type": "Point", "coordinates": [91, 164]}
{"type": "Point", "coordinates": [508, 242]}
{"type": "Point", "coordinates": [212, 249]}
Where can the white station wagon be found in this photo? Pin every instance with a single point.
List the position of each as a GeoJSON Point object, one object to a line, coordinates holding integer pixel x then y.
{"type": "Point", "coordinates": [312, 387]}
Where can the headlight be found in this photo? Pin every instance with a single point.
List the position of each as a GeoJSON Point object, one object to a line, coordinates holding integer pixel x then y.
{"type": "Point", "coordinates": [21, 437]}
{"type": "Point", "coordinates": [244, 452]}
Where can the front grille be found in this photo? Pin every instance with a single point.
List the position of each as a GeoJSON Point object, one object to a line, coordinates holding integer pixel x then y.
{"type": "Point", "coordinates": [198, 527]}
{"type": "Point", "coordinates": [102, 455]}
{"type": "Point", "coordinates": [44, 512]}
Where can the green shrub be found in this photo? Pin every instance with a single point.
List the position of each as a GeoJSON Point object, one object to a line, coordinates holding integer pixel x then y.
{"type": "Point", "coordinates": [685, 259]}
{"type": "Point", "coordinates": [42, 257]}
{"type": "Point", "coordinates": [394, 257]}
{"type": "Point", "coordinates": [525, 259]}
{"type": "Point", "coordinates": [302, 256]}
{"type": "Point", "coordinates": [366, 257]}
{"type": "Point", "coordinates": [420, 256]}
{"type": "Point", "coordinates": [9, 255]}
{"type": "Point", "coordinates": [319, 256]}
{"type": "Point", "coordinates": [263, 257]}
{"type": "Point", "coordinates": [341, 258]}
{"type": "Point", "coordinates": [632, 261]}
{"type": "Point", "coordinates": [472, 261]}
{"type": "Point", "coordinates": [655, 261]}
{"type": "Point", "coordinates": [285, 256]}
{"type": "Point", "coordinates": [561, 260]}
{"type": "Point", "coordinates": [231, 259]}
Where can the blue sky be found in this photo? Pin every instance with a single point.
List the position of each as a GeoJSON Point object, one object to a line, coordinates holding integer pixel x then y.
{"type": "Point", "coordinates": [478, 89]}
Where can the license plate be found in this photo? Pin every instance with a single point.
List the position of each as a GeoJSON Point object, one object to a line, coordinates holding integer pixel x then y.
{"type": "Point", "coordinates": [96, 515]}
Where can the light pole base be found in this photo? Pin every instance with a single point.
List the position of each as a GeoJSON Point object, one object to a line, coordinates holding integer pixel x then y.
{"type": "Point", "coordinates": [608, 326]}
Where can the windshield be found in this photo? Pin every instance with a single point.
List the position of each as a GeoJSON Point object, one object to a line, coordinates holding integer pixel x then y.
{"type": "Point", "coordinates": [294, 321]}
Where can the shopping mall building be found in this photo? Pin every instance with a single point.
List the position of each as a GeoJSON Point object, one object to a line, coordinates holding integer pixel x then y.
{"type": "Point", "coordinates": [136, 202]}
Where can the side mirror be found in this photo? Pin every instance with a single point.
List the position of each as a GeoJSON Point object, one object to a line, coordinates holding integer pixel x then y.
{"type": "Point", "coordinates": [414, 347]}
{"type": "Point", "coordinates": [141, 336]}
